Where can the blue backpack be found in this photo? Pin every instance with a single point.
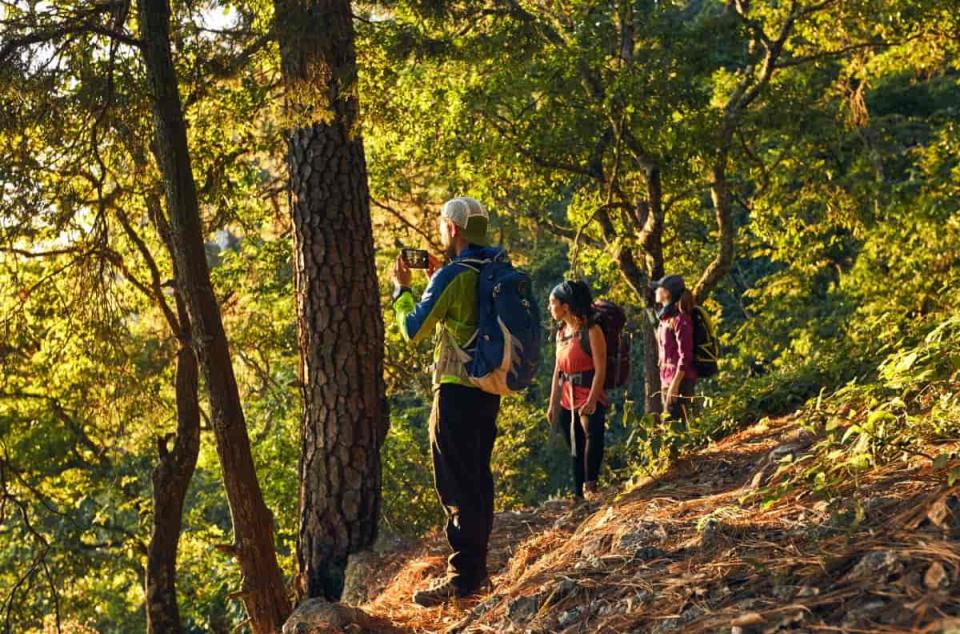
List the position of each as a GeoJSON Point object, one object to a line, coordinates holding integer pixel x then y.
{"type": "Point", "coordinates": [504, 354]}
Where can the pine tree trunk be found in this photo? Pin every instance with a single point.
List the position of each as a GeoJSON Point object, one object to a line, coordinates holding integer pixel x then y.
{"type": "Point", "coordinates": [262, 588]}
{"type": "Point", "coordinates": [338, 304]}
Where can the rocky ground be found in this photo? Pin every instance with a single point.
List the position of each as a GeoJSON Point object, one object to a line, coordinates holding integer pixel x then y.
{"type": "Point", "coordinates": [697, 550]}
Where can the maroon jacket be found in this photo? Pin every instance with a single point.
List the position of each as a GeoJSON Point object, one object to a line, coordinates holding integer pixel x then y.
{"type": "Point", "coordinates": [675, 346]}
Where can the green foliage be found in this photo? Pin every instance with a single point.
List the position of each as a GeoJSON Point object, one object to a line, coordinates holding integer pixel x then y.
{"type": "Point", "coordinates": [409, 505]}
{"type": "Point", "coordinates": [912, 404]}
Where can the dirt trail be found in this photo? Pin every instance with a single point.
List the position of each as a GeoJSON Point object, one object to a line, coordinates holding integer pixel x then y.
{"type": "Point", "coordinates": [690, 551]}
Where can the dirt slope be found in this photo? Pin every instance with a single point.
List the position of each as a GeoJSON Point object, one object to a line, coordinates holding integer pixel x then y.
{"type": "Point", "coordinates": [691, 551]}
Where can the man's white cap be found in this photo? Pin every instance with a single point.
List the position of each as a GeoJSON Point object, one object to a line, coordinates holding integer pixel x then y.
{"type": "Point", "coordinates": [472, 218]}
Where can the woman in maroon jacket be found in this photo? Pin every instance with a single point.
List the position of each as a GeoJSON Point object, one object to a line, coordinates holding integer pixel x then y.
{"type": "Point", "coordinates": [678, 376]}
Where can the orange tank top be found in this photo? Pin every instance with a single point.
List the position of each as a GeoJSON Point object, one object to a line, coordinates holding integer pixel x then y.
{"type": "Point", "coordinates": [573, 359]}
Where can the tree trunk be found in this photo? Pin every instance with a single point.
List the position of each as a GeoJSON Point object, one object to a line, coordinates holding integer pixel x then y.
{"type": "Point", "coordinates": [652, 245]}
{"type": "Point", "coordinates": [650, 238]}
{"type": "Point", "coordinates": [262, 588]}
{"type": "Point", "coordinates": [721, 263]}
{"type": "Point", "coordinates": [338, 299]}
{"type": "Point", "coordinates": [171, 478]}
{"type": "Point", "coordinates": [170, 481]}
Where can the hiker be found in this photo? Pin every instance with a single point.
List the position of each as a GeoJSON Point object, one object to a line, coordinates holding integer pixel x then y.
{"type": "Point", "coordinates": [578, 400]}
{"type": "Point", "coordinates": [463, 420]}
{"type": "Point", "coordinates": [675, 337]}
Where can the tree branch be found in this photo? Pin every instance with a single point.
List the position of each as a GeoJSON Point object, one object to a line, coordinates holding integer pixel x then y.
{"type": "Point", "coordinates": [39, 254]}
{"type": "Point", "coordinates": [220, 68]}
{"type": "Point", "coordinates": [80, 23]}
{"type": "Point", "coordinates": [399, 216]}
{"type": "Point", "coordinates": [156, 282]}
{"type": "Point", "coordinates": [602, 209]}
{"type": "Point", "coordinates": [56, 33]}
{"type": "Point", "coordinates": [840, 52]}
{"type": "Point", "coordinates": [539, 161]}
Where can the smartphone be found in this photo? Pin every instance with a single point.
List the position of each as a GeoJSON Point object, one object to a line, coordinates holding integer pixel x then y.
{"type": "Point", "coordinates": [415, 258]}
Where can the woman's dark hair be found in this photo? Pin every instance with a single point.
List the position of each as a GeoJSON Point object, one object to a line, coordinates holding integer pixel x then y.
{"type": "Point", "coordinates": [575, 294]}
{"type": "Point", "coordinates": [686, 302]}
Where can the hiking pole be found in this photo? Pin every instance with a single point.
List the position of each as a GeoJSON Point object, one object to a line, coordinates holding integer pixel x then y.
{"type": "Point", "coordinates": [573, 428]}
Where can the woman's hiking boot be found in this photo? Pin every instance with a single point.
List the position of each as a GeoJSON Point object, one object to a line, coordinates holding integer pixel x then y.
{"type": "Point", "coordinates": [590, 491]}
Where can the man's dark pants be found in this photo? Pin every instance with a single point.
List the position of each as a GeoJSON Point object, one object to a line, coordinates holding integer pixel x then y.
{"type": "Point", "coordinates": [463, 427]}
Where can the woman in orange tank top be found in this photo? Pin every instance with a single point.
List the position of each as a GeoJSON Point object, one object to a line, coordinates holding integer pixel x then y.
{"type": "Point", "coordinates": [578, 401]}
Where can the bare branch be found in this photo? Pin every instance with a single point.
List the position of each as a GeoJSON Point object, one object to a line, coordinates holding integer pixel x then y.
{"type": "Point", "coordinates": [538, 160]}
{"type": "Point", "coordinates": [57, 33]}
{"type": "Point", "coordinates": [393, 211]}
{"type": "Point", "coordinates": [39, 254]}
{"type": "Point", "coordinates": [632, 274]}
{"type": "Point", "coordinates": [840, 52]}
{"type": "Point", "coordinates": [583, 227]}
{"type": "Point", "coordinates": [561, 231]}
{"type": "Point", "coordinates": [116, 260]}
{"type": "Point", "coordinates": [156, 281]}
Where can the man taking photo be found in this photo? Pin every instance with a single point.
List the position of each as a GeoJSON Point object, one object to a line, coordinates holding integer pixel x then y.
{"type": "Point", "coordinates": [463, 419]}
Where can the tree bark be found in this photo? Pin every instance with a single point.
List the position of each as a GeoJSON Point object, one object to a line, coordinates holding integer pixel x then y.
{"type": "Point", "coordinates": [170, 481]}
{"type": "Point", "coordinates": [651, 241]}
{"type": "Point", "coordinates": [338, 300]}
{"type": "Point", "coordinates": [171, 478]}
{"type": "Point", "coordinates": [721, 263]}
{"type": "Point", "coordinates": [262, 588]}
{"type": "Point", "coordinates": [747, 91]}
{"type": "Point", "coordinates": [636, 278]}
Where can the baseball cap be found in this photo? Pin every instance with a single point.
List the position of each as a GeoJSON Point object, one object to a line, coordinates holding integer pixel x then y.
{"type": "Point", "coordinates": [673, 283]}
{"type": "Point", "coordinates": [472, 218]}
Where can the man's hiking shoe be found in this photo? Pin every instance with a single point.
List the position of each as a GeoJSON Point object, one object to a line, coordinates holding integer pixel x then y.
{"type": "Point", "coordinates": [435, 595]}
{"type": "Point", "coordinates": [443, 591]}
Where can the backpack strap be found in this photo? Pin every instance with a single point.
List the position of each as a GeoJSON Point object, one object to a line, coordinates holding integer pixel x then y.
{"type": "Point", "coordinates": [471, 340]}
{"type": "Point", "coordinates": [473, 264]}
{"type": "Point", "coordinates": [583, 336]}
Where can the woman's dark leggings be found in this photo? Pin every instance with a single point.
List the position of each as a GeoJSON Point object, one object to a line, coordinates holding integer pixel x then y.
{"type": "Point", "coordinates": [587, 448]}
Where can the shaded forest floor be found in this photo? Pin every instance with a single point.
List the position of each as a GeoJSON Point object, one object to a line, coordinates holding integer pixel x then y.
{"type": "Point", "coordinates": [699, 550]}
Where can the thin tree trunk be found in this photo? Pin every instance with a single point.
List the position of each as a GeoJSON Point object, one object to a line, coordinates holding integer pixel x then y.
{"type": "Point", "coordinates": [338, 300]}
{"type": "Point", "coordinates": [652, 402]}
{"type": "Point", "coordinates": [171, 478]}
{"type": "Point", "coordinates": [262, 588]}
{"type": "Point", "coordinates": [721, 263]}
{"type": "Point", "coordinates": [750, 88]}
{"type": "Point", "coordinates": [651, 241]}
{"type": "Point", "coordinates": [650, 217]}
